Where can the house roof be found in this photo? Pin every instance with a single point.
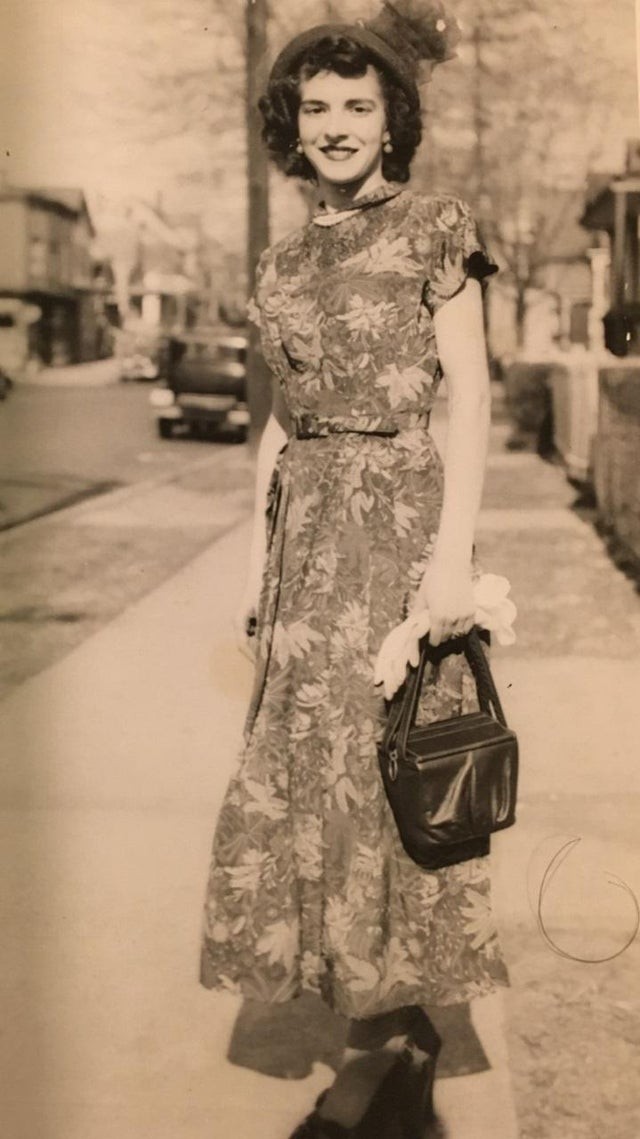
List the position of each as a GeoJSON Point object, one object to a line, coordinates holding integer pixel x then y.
{"type": "Point", "coordinates": [599, 211]}
{"type": "Point", "coordinates": [597, 181]}
{"type": "Point", "coordinates": [563, 238]}
{"type": "Point", "coordinates": [70, 199]}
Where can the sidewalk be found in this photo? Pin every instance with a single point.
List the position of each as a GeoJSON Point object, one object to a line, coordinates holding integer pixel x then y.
{"type": "Point", "coordinates": [91, 373]}
{"type": "Point", "coordinates": [113, 765]}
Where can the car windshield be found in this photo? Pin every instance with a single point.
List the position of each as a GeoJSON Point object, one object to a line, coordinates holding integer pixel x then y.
{"type": "Point", "coordinates": [226, 351]}
{"type": "Point", "coordinates": [232, 352]}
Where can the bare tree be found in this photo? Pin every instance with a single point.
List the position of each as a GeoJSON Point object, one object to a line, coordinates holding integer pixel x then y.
{"type": "Point", "coordinates": [538, 91]}
{"type": "Point", "coordinates": [525, 113]}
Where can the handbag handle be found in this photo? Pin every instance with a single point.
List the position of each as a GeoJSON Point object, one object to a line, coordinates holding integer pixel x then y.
{"type": "Point", "coordinates": [404, 707]}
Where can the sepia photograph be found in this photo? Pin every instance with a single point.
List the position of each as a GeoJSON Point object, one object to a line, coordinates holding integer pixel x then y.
{"type": "Point", "coordinates": [320, 569]}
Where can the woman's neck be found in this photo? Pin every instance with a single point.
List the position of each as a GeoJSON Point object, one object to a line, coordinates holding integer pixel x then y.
{"type": "Point", "coordinates": [338, 197]}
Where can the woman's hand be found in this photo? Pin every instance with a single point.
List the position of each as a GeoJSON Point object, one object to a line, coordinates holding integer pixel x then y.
{"type": "Point", "coordinates": [245, 620]}
{"type": "Point", "coordinates": [447, 592]}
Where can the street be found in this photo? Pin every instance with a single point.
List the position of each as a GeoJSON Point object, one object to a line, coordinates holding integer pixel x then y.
{"type": "Point", "coordinates": [95, 434]}
{"type": "Point", "coordinates": [63, 575]}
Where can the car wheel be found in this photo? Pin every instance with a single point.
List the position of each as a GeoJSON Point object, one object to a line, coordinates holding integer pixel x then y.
{"type": "Point", "coordinates": [165, 428]}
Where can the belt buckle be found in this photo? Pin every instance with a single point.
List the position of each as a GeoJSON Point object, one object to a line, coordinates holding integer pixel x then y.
{"type": "Point", "coordinates": [304, 427]}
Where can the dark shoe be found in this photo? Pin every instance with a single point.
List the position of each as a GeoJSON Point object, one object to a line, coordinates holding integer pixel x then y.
{"type": "Point", "coordinates": [313, 1127]}
{"type": "Point", "coordinates": [420, 1059]}
{"type": "Point", "coordinates": [383, 1117]}
{"type": "Point", "coordinates": [380, 1120]}
{"type": "Point", "coordinates": [401, 1105]}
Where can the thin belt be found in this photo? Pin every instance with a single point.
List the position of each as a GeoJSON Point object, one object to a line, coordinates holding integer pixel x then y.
{"type": "Point", "coordinates": [308, 426]}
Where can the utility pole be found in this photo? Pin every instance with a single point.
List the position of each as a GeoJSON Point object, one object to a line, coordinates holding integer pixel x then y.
{"type": "Point", "coordinates": [479, 112]}
{"type": "Point", "coordinates": [259, 395]}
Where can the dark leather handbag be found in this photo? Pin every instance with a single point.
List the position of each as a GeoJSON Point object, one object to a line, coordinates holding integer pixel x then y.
{"type": "Point", "coordinates": [451, 783]}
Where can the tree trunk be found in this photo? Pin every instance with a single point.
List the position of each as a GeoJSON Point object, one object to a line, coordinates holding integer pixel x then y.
{"type": "Point", "coordinates": [521, 313]}
{"type": "Point", "coordinates": [479, 111]}
{"type": "Point", "coordinates": [258, 378]}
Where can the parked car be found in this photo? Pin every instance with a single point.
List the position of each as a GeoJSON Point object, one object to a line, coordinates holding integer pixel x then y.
{"type": "Point", "coordinates": [204, 385]}
{"type": "Point", "coordinates": [6, 383]}
{"type": "Point", "coordinates": [137, 350]}
{"type": "Point", "coordinates": [138, 366]}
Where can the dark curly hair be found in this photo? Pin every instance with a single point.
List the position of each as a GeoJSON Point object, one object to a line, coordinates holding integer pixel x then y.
{"type": "Point", "coordinates": [338, 53]}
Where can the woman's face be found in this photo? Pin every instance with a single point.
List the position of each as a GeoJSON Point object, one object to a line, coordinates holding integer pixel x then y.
{"type": "Point", "coordinates": [341, 123]}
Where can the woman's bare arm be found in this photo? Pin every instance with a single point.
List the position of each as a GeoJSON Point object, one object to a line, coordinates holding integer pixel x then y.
{"type": "Point", "coordinates": [447, 588]}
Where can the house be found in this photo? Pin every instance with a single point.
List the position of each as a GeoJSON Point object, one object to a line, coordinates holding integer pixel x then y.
{"type": "Point", "coordinates": [565, 271]}
{"type": "Point", "coordinates": [168, 273]}
{"type": "Point", "coordinates": [614, 210]}
{"type": "Point", "coordinates": [542, 300]}
{"type": "Point", "coordinates": [51, 299]}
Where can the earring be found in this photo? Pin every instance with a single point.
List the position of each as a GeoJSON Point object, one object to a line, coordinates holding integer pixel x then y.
{"type": "Point", "coordinates": [299, 148]}
{"type": "Point", "coordinates": [387, 144]}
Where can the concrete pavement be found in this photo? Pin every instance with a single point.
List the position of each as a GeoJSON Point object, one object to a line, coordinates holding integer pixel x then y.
{"type": "Point", "coordinates": [114, 765]}
{"type": "Point", "coordinates": [91, 373]}
{"type": "Point", "coordinates": [114, 762]}
{"type": "Point", "coordinates": [63, 576]}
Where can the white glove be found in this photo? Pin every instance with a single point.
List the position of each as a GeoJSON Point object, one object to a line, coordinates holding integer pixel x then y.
{"type": "Point", "coordinates": [400, 648]}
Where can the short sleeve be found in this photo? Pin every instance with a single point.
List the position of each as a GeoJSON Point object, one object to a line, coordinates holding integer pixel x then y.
{"type": "Point", "coordinates": [458, 253]}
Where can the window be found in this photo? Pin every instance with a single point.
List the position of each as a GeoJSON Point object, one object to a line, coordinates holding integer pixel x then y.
{"type": "Point", "coordinates": [37, 259]}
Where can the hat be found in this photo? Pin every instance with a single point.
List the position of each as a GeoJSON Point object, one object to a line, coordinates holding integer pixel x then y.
{"type": "Point", "coordinates": [408, 37]}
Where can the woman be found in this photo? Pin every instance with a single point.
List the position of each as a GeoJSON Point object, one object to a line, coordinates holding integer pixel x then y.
{"type": "Point", "coordinates": [361, 313]}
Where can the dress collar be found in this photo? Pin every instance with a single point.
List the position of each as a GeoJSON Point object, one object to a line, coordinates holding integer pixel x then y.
{"type": "Point", "coordinates": [324, 216]}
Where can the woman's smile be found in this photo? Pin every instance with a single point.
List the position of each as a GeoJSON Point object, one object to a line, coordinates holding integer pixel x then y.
{"type": "Point", "coordinates": [338, 153]}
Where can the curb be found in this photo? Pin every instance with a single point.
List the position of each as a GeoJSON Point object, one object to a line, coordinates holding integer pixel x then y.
{"type": "Point", "coordinates": [118, 496]}
{"type": "Point", "coordinates": [64, 499]}
{"type": "Point", "coordinates": [92, 374]}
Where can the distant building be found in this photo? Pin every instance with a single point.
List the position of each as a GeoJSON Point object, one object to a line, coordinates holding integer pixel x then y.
{"type": "Point", "coordinates": [565, 274]}
{"type": "Point", "coordinates": [168, 273]}
{"type": "Point", "coordinates": [51, 292]}
{"type": "Point", "coordinates": [559, 258]}
{"type": "Point", "coordinates": [614, 209]}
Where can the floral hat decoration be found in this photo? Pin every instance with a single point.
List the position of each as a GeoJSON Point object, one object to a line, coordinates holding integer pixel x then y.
{"type": "Point", "coordinates": [408, 37]}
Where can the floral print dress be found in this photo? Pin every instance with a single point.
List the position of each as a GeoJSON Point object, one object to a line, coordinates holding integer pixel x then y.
{"type": "Point", "coordinates": [309, 885]}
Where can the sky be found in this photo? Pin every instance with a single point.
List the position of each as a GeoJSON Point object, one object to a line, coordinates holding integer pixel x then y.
{"type": "Point", "coordinates": [71, 89]}
{"type": "Point", "coordinates": [61, 81]}
{"type": "Point", "coordinates": [44, 67]}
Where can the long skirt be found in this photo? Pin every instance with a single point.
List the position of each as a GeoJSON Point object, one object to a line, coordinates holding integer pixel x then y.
{"type": "Point", "coordinates": [309, 887]}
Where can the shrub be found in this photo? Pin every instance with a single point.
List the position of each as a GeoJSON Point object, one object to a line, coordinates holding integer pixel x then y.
{"type": "Point", "coordinates": [527, 395]}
